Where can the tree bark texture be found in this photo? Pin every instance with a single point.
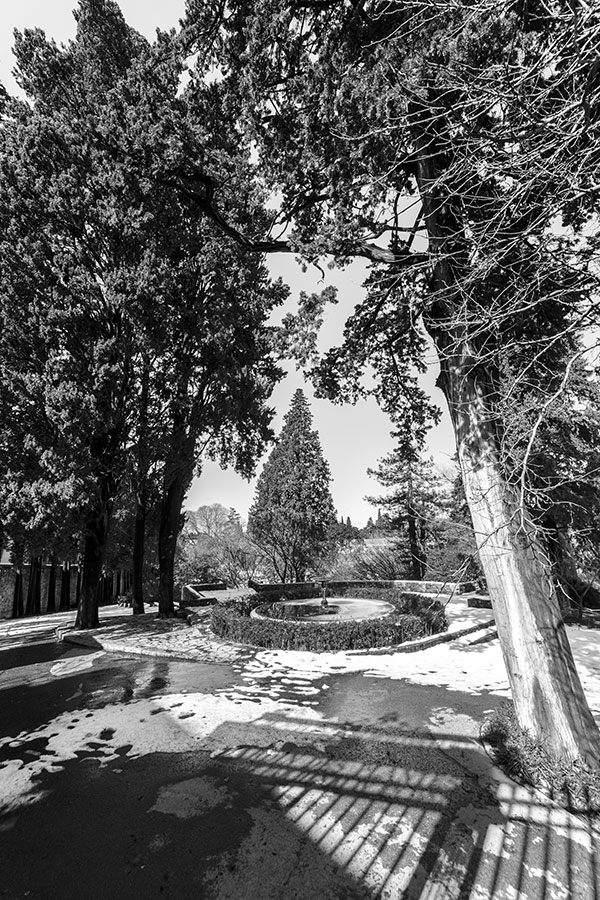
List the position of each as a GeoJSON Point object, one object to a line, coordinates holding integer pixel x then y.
{"type": "Point", "coordinates": [547, 693]}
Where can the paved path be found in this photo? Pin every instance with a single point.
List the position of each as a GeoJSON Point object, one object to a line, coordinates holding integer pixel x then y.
{"type": "Point", "coordinates": [264, 775]}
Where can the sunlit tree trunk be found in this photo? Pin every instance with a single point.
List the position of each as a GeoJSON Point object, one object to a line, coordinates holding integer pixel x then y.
{"type": "Point", "coordinates": [546, 689]}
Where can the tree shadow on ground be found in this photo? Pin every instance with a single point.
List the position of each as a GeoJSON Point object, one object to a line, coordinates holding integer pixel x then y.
{"type": "Point", "coordinates": [290, 807]}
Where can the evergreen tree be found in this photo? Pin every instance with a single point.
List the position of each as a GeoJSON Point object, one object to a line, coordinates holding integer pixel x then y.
{"type": "Point", "coordinates": [464, 114]}
{"type": "Point", "coordinates": [412, 501]}
{"type": "Point", "coordinates": [135, 335]}
{"type": "Point", "coordinates": [293, 510]}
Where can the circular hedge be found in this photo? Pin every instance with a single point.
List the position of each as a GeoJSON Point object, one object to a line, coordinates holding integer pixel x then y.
{"type": "Point", "coordinates": [414, 617]}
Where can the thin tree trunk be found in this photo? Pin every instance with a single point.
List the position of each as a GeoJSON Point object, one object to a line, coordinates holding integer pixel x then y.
{"type": "Point", "coordinates": [51, 595]}
{"type": "Point", "coordinates": [547, 693]}
{"type": "Point", "coordinates": [37, 587]}
{"type": "Point", "coordinates": [417, 553]}
{"type": "Point", "coordinates": [139, 538]}
{"type": "Point", "coordinates": [18, 611]}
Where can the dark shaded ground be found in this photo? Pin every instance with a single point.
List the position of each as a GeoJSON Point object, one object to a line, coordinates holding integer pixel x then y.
{"type": "Point", "coordinates": [364, 802]}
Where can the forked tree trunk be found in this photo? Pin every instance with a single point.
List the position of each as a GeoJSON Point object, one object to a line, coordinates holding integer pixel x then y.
{"type": "Point", "coordinates": [547, 693]}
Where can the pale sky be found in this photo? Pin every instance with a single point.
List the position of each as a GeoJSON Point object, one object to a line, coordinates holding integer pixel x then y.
{"type": "Point", "coordinates": [353, 438]}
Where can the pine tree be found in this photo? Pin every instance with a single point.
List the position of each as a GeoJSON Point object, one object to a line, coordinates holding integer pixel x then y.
{"type": "Point", "coordinates": [412, 502]}
{"type": "Point", "coordinates": [293, 510]}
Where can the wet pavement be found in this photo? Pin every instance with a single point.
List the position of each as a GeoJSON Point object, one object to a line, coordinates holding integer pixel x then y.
{"type": "Point", "coordinates": [262, 775]}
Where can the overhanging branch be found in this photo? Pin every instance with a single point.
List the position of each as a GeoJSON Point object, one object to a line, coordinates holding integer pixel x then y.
{"type": "Point", "coordinates": [400, 256]}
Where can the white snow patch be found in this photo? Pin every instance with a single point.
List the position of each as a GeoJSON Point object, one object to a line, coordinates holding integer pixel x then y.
{"type": "Point", "coordinates": [75, 664]}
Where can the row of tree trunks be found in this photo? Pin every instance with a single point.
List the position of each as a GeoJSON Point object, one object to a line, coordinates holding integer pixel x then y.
{"type": "Point", "coordinates": [33, 604]}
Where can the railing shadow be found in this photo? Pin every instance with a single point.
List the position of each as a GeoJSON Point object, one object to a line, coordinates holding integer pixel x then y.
{"type": "Point", "coordinates": [290, 805]}
{"type": "Point", "coordinates": [415, 814]}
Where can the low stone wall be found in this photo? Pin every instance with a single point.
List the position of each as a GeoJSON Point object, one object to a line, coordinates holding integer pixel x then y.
{"type": "Point", "coordinates": [479, 601]}
{"type": "Point", "coordinates": [417, 587]}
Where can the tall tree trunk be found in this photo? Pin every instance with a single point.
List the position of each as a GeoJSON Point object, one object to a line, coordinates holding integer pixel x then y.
{"type": "Point", "coordinates": [93, 546]}
{"type": "Point", "coordinates": [65, 586]}
{"type": "Point", "coordinates": [170, 520]}
{"type": "Point", "coordinates": [51, 596]}
{"type": "Point", "coordinates": [417, 551]}
{"type": "Point", "coordinates": [547, 693]}
{"type": "Point", "coordinates": [17, 560]}
{"type": "Point", "coordinates": [139, 539]}
{"type": "Point", "coordinates": [33, 605]}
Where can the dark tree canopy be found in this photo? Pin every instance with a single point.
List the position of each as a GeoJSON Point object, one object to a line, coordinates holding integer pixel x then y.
{"type": "Point", "coordinates": [135, 335]}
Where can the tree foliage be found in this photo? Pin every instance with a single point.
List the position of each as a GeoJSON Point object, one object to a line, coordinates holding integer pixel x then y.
{"type": "Point", "coordinates": [464, 114]}
{"type": "Point", "coordinates": [135, 335]}
{"type": "Point", "coordinates": [293, 513]}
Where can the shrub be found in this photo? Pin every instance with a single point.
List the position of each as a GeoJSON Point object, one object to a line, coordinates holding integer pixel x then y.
{"type": "Point", "coordinates": [413, 617]}
{"type": "Point", "coordinates": [571, 784]}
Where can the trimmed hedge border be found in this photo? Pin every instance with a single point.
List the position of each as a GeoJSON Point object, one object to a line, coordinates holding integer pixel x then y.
{"type": "Point", "coordinates": [414, 617]}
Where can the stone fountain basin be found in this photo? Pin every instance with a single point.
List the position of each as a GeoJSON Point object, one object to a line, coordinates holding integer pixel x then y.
{"type": "Point", "coordinates": [340, 609]}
